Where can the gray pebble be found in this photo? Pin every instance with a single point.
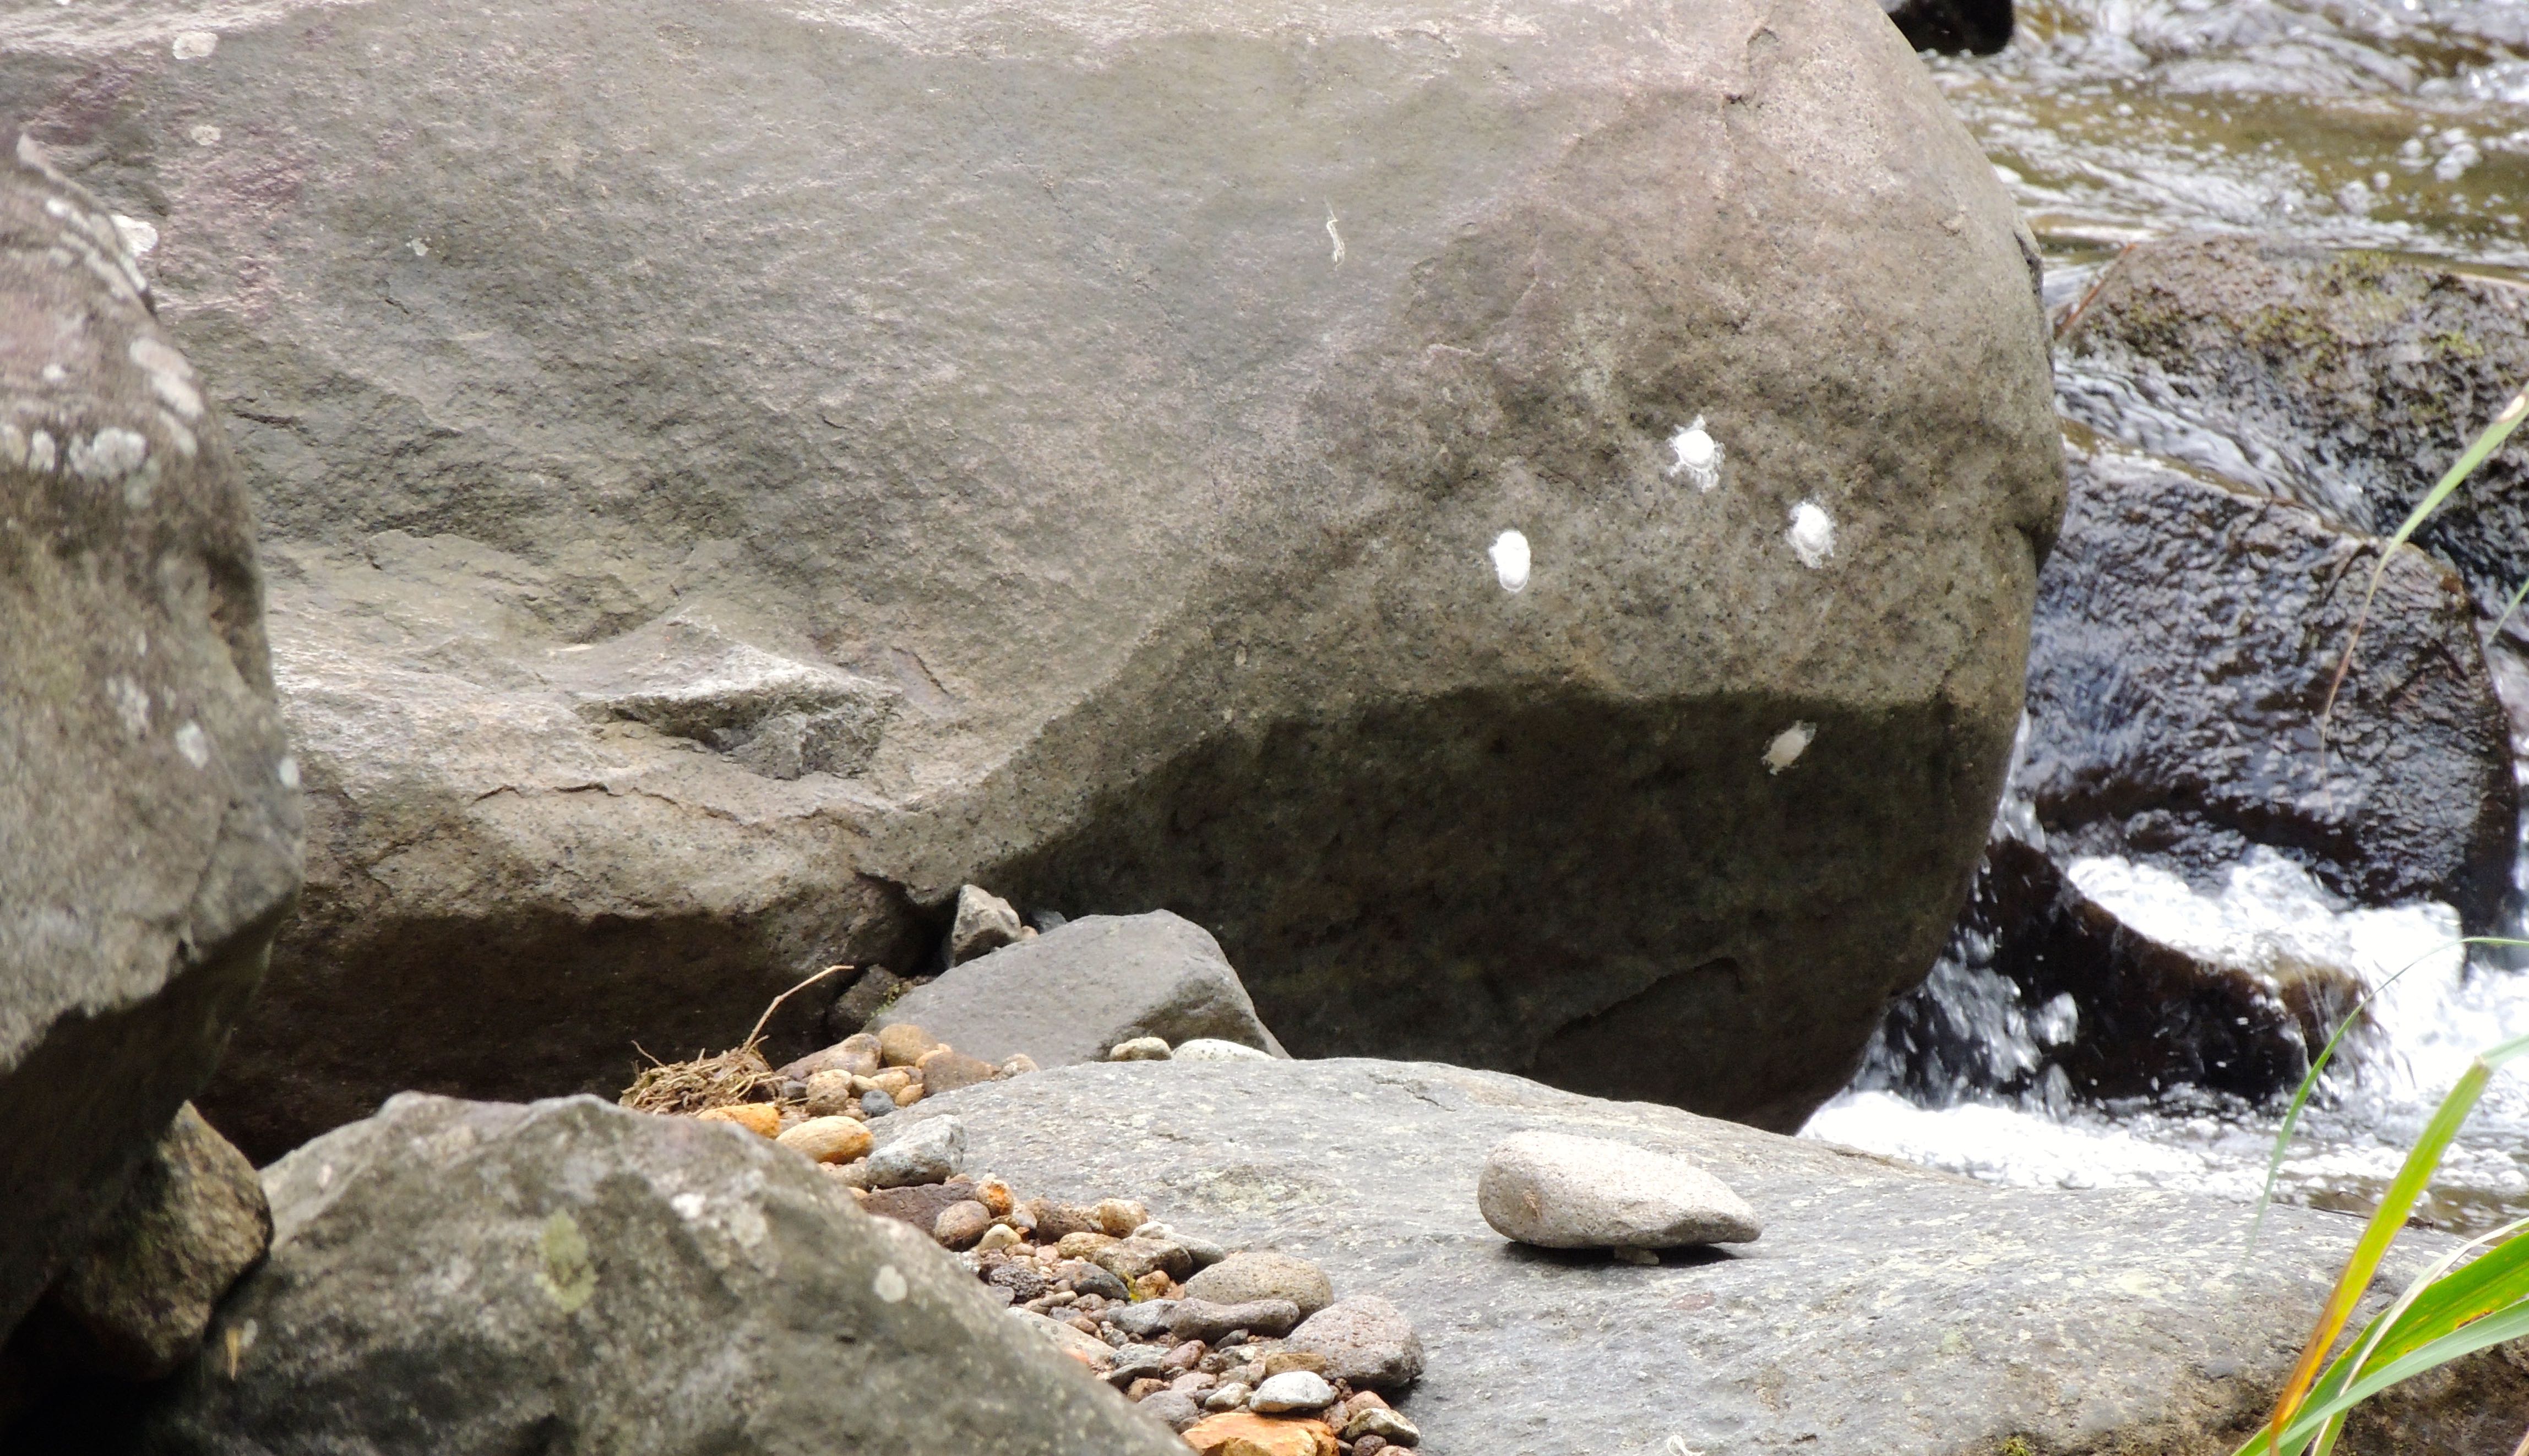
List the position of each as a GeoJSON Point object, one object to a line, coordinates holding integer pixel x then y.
{"type": "Point", "coordinates": [1173, 1409]}
{"type": "Point", "coordinates": [1202, 1319]}
{"type": "Point", "coordinates": [1292, 1391]}
{"type": "Point", "coordinates": [877, 1104]}
{"type": "Point", "coordinates": [1559, 1191]}
{"type": "Point", "coordinates": [930, 1152]}
{"type": "Point", "coordinates": [1229, 1397]}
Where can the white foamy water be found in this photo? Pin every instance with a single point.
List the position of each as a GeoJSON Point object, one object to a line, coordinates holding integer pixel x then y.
{"type": "Point", "coordinates": [2433, 1013]}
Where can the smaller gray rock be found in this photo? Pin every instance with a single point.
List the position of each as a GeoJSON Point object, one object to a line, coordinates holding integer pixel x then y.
{"type": "Point", "coordinates": [1202, 1319]}
{"type": "Point", "coordinates": [1212, 1049]}
{"type": "Point", "coordinates": [929, 1152]}
{"type": "Point", "coordinates": [1072, 993]}
{"type": "Point", "coordinates": [1381, 1422]}
{"type": "Point", "coordinates": [1140, 1048]}
{"type": "Point", "coordinates": [1204, 1252]}
{"type": "Point", "coordinates": [875, 1104]}
{"type": "Point", "coordinates": [1292, 1391]}
{"type": "Point", "coordinates": [1087, 1278]}
{"type": "Point", "coordinates": [1143, 1321]}
{"type": "Point", "coordinates": [1364, 1340]}
{"type": "Point", "coordinates": [1229, 1397]}
{"type": "Point", "coordinates": [1137, 1361]}
{"type": "Point", "coordinates": [1173, 1409]}
{"type": "Point", "coordinates": [1254, 1275]}
{"type": "Point", "coordinates": [1559, 1191]}
{"type": "Point", "coordinates": [192, 1222]}
{"type": "Point", "coordinates": [985, 923]}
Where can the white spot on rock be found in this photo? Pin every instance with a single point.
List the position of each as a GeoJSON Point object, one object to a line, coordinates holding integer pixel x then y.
{"type": "Point", "coordinates": [1510, 562]}
{"type": "Point", "coordinates": [287, 770]}
{"type": "Point", "coordinates": [178, 435]}
{"type": "Point", "coordinates": [688, 1206]}
{"type": "Point", "coordinates": [139, 237]}
{"type": "Point", "coordinates": [1698, 454]}
{"type": "Point", "coordinates": [420, 250]}
{"type": "Point", "coordinates": [195, 744]}
{"type": "Point", "coordinates": [194, 45]}
{"type": "Point", "coordinates": [1334, 235]}
{"type": "Point", "coordinates": [206, 135]}
{"type": "Point", "coordinates": [110, 455]}
{"type": "Point", "coordinates": [181, 397]}
{"type": "Point", "coordinates": [13, 445]}
{"type": "Point", "coordinates": [159, 357]}
{"type": "Point", "coordinates": [889, 1286]}
{"type": "Point", "coordinates": [52, 374]}
{"type": "Point", "coordinates": [1789, 745]}
{"type": "Point", "coordinates": [1812, 534]}
{"type": "Point", "coordinates": [40, 451]}
{"type": "Point", "coordinates": [324, 1176]}
{"type": "Point", "coordinates": [131, 704]}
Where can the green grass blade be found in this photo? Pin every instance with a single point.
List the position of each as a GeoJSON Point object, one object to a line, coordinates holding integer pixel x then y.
{"type": "Point", "coordinates": [2487, 442]}
{"type": "Point", "coordinates": [2386, 1221]}
{"type": "Point", "coordinates": [2507, 1325]}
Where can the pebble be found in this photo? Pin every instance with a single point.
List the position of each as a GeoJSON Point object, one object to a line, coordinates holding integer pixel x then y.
{"type": "Point", "coordinates": [1262, 1274]}
{"type": "Point", "coordinates": [1558, 1191]}
{"type": "Point", "coordinates": [961, 1225]}
{"type": "Point", "coordinates": [877, 1104]}
{"type": "Point", "coordinates": [1173, 1407]}
{"type": "Point", "coordinates": [932, 1152]}
{"type": "Point", "coordinates": [1145, 1319]}
{"type": "Point", "coordinates": [1244, 1433]}
{"type": "Point", "coordinates": [947, 1070]}
{"type": "Point", "coordinates": [827, 1139]}
{"type": "Point", "coordinates": [829, 1093]}
{"type": "Point", "coordinates": [1366, 1341]}
{"type": "Point", "coordinates": [1019, 1065]}
{"type": "Point", "coordinates": [761, 1118]}
{"type": "Point", "coordinates": [1130, 1260]}
{"type": "Point", "coordinates": [1292, 1391]}
{"type": "Point", "coordinates": [1204, 1252]}
{"type": "Point", "coordinates": [1379, 1420]}
{"type": "Point", "coordinates": [1212, 1049]}
{"type": "Point", "coordinates": [1202, 1319]}
{"type": "Point", "coordinates": [1140, 1048]}
{"type": "Point", "coordinates": [1229, 1397]}
{"type": "Point", "coordinates": [902, 1045]}
{"type": "Point", "coordinates": [999, 1236]}
{"type": "Point", "coordinates": [1118, 1216]}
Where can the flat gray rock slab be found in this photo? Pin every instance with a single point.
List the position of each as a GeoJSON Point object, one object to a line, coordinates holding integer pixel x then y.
{"type": "Point", "coordinates": [1076, 992]}
{"type": "Point", "coordinates": [1888, 1309]}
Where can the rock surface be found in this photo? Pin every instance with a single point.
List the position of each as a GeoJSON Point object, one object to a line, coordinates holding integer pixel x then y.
{"type": "Point", "coordinates": [1364, 1339]}
{"type": "Point", "coordinates": [1081, 991]}
{"type": "Point", "coordinates": [2346, 381]}
{"type": "Point", "coordinates": [2076, 1322]}
{"type": "Point", "coordinates": [1153, 464]}
{"type": "Point", "coordinates": [149, 811]}
{"type": "Point", "coordinates": [2186, 636]}
{"type": "Point", "coordinates": [569, 1276]}
{"type": "Point", "coordinates": [191, 1222]}
{"type": "Point", "coordinates": [1559, 1191]}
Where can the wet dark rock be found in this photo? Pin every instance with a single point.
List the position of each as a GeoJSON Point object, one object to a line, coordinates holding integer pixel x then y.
{"type": "Point", "coordinates": [149, 804]}
{"type": "Point", "coordinates": [1180, 574]}
{"type": "Point", "coordinates": [2347, 381]}
{"type": "Point", "coordinates": [468, 1278]}
{"type": "Point", "coordinates": [2186, 639]}
{"type": "Point", "coordinates": [1954, 27]}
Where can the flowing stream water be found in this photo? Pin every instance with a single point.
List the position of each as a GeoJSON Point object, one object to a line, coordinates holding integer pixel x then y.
{"type": "Point", "coordinates": [2402, 126]}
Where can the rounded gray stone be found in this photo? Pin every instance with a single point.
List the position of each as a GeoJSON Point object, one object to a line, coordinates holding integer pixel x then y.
{"type": "Point", "coordinates": [1263, 1275]}
{"type": "Point", "coordinates": [1559, 1191]}
{"type": "Point", "coordinates": [929, 1152]}
{"type": "Point", "coordinates": [1292, 1391]}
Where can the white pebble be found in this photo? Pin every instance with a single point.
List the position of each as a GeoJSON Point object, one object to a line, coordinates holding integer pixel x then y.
{"type": "Point", "coordinates": [1559, 1191]}
{"type": "Point", "coordinates": [1812, 534]}
{"type": "Point", "coordinates": [1212, 1049]}
{"type": "Point", "coordinates": [1510, 562]}
{"type": "Point", "coordinates": [1292, 1391]}
{"type": "Point", "coordinates": [194, 45]}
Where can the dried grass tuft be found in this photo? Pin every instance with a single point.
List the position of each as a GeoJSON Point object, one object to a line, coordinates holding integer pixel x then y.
{"type": "Point", "coordinates": [738, 1075]}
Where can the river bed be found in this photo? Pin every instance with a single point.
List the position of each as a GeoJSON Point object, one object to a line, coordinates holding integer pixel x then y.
{"type": "Point", "coordinates": [2401, 126]}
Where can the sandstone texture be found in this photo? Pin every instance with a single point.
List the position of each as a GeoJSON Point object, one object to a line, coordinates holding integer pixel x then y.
{"type": "Point", "coordinates": [2074, 1322]}
{"type": "Point", "coordinates": [1084, 991]}
{"type": "Point", "coordinates": [1092, 442]}
{"type": "Point", "coordinates": [149, 809]}
{"type": "Point", "coordinates": [567, 1277]}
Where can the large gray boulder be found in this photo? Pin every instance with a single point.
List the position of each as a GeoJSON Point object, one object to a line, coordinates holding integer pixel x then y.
{"type": "Point", "coordinates": [1888, 1309]}
{"type": "Point", "coordinates": [470, 1278]}
{"type": "Point", "coordinates": [149, 829]}
{"type": "Point", "coordinates": [1140, 395]}
{"type": "Point", "coordinates": [1074, 992]}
